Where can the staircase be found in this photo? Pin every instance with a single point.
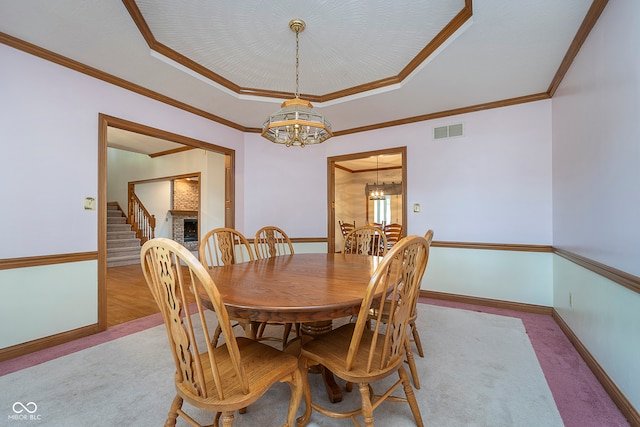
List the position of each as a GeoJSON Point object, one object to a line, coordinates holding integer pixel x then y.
{"type": "Point", "coordinates": [123, 248]}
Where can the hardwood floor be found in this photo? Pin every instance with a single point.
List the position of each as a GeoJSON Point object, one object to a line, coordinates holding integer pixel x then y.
{"type": "Point", "coordinates": [128, 296]}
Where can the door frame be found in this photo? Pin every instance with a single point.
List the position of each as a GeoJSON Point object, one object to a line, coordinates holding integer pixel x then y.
{"type": "Point", "coordinates": [331, 188]}
{"type": "Point", "coordinates": [104, 122]}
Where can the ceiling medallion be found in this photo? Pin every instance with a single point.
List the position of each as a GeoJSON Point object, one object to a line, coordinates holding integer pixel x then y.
{"type": "Point", "coordinates": [296, 123]}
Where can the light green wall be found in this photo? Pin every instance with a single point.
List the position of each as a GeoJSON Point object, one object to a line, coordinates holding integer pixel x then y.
{"type": "Point", "coordinates": [47, 300]}
{"type": "Point", "coordinates": [515, 276]}
{"type": "Point", "coordinates": [605, 317]}
{"type": "Point", "coordinates": [310, 248]}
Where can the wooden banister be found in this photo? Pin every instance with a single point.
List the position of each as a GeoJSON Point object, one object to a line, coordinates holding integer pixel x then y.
{"type": "Point", "coordinates": [142, 222]}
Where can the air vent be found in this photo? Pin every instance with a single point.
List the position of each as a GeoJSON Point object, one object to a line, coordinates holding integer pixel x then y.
{"type": "Point", "coordinates": [448, 131]}
{"type": "Point", "coordinates": [441, 132]}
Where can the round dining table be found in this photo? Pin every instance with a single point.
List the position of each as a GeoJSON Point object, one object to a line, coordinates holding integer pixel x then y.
{"type": "Point", "coordinates": [309, 289]}
{"type": "Point", "coordinates": [295, 288]}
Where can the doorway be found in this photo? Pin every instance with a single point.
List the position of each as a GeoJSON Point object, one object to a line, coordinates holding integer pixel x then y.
{"type": "Point", "coordinates": [177, 143]}
{"type": "Point", "coordinates": [351, 177]}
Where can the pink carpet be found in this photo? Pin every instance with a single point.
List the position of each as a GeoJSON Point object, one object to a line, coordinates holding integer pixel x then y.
{"type": "Point", "coordinates": [581, 400]}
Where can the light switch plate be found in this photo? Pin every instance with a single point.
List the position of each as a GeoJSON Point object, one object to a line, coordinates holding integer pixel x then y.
{"type": "Point", "coordinates": [416, 207]}
{"type": "Point", "coordinates": [89, 203]}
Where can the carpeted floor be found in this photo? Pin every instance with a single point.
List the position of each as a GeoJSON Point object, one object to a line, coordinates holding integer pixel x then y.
{"type": "Point", "coordinates": [579, 396]}
{"type": "Point", "coordinates": [479, 369]}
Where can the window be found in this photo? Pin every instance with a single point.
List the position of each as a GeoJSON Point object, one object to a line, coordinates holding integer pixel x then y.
{"type": "Point", "coordinates": [382, 210]}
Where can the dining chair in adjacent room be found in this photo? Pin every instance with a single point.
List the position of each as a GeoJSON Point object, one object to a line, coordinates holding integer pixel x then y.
{"type": "Point", "coordinates": [393, 232]}
{"type": "Point", "coordinates": [346, 227]}
{"type": "Point", "coordinates": [363, 356]}
{"type": "Point", "coordinates": [366, 240]}
{"type": "Point", "coordinates": [271, 241]}
{"type": "Point", "coordinates": [412, 324]}
{"type": "Point", "coordinates": [224, 246]}
{"type": "Point", "coordinates": [220, 379]}
{"type": "Point", "coordinates": [379, 225]}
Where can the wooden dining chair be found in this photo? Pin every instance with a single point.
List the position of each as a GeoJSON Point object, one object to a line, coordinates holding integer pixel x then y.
{"type": "Point", "coordinates": [414, 330]}
{"type": "Point", "coordinates": [224, 246]}
{"type": "Point", "coordinates": [379, 225]}
{"type": "Point", "coordinates": [363, 356]}
{"type": "Point", "coordinates": [393, 232]}
{"type": "Point", "coordinates": [346, 227]}
{"type": "Point", "coordinates": [219, 379]}
{"type": "Point", "coordinates": [365, 240]}
{"type": "Point", "coordinates": [412, 324]}
{"type": "Point", "coordinates": [271, 241]}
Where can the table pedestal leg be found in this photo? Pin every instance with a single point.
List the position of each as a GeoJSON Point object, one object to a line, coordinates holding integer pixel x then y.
{"type": "Point", "coordinates": [334, 392]}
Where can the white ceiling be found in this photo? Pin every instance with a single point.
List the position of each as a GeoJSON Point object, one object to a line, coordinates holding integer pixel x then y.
{"type": "Point", "coordinates": [383, 161]}
{"type": "Point", "coordinates": [143, 144]}
{"type": "Point", "coordinates": [507, 49]}
{"type": "Point", "coordinates": [137, 142]}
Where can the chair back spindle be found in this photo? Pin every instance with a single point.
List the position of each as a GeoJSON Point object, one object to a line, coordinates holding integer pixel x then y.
{"type": "Point", "coordinates": [224, 246]}
{"type": "Point", "coordinates": [272, 241]}
{"type": "Point", "coordinates": [365, 240]}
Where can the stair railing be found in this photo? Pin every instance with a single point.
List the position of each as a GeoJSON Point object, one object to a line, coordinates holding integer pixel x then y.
{"type": "Point", "coordinates": [142, 222]}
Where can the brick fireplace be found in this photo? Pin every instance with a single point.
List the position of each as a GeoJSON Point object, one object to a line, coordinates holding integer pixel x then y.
{"type": "Point", "coordinates": [186, 201]}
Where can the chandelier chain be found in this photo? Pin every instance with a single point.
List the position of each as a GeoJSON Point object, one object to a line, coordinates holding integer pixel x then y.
{"type": "Point", "coordinates": [297, 94]}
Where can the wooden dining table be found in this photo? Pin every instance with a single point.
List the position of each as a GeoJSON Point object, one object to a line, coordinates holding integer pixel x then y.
{"type": "Point", "coordinates": [310, 289]}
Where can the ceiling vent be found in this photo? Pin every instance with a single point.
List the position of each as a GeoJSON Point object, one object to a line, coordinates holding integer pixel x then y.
{"type": "Point", "coordinates": [448, 131]}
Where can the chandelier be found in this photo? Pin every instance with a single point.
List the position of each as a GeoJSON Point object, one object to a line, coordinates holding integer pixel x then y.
{"type": "Point", "coordinates": [295, 123]}
{"type": "Point", "coordinates": [377, 193]}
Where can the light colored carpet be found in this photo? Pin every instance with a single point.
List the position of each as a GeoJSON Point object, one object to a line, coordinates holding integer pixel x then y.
{"type": "Point", "coordinates": [479, 370]}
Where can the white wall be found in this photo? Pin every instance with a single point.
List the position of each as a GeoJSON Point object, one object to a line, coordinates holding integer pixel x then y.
{"type": "Point", "coordinates": [596, 152]}
{"type": "Point", "coordinates": [284, 186]}
{"type": "Point", "coordinates": [49, 162]}
{"type": "Point", "coordinates": [493, 185]}
{"type": "Point", "coordinates": [124, 167]}
{"type": "Point", "coordinates": [157, 198]}
{"type": "Point", "coordinates": [596, 176]}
